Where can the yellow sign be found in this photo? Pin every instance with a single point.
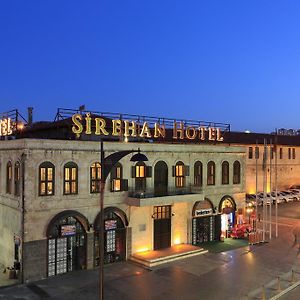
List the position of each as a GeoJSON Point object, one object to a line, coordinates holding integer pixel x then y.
{"type": "Point", "coordinates": [6, 127]}
{"type": "Point", "coordinates": [98, 126]}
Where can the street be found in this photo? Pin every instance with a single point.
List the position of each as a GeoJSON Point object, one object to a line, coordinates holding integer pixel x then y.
{"type": "Point", "coordinates": [235, 274]}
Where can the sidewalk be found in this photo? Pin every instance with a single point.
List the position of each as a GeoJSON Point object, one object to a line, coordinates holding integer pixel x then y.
{"type": "Point", "coordinates": [4, 279]}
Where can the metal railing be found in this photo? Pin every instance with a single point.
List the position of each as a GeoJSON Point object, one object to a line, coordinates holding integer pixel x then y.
{"type": "Point", "coordinates": [64, 113]}
{"type": "Point", "coordinates": [171, 191]}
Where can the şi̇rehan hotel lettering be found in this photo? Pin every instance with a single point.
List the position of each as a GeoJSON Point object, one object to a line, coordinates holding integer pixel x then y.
{"type": "Point", "coordinates": [133, 129]}
{"type": "Point", "coordinates": [6, 127]}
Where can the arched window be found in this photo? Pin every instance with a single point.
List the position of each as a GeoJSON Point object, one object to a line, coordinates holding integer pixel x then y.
{"type": "Point", "coordinates": [17, 178]}
{"type": "Point", "coordinates": [180, 174]}
{"type": "Point", "coordinates": [236, 172]}
{"type": "Point", "coordinates": [95, 177]}
{"type": "Point", "coordinates": [211, 173]}
{"type": "Point", "coordinates": [198, 175]}
{"type": "Point", "coordinates": [70, 178]}
{"type": "Point", "coordinates": [225, 172]}
{"type": "Point", "coordinates": [46, 179]}
{"type": "Point", "coordinates": [8, 177]}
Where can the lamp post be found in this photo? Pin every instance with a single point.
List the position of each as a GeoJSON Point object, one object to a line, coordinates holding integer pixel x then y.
{"type": "Point", "coordinates": [107, 163]}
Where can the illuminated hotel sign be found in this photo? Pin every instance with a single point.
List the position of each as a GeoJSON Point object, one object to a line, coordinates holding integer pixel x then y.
{"type": "Point", "coordinates": [6, 127]}
{"type": "Point", "coordinates": [90, 125]}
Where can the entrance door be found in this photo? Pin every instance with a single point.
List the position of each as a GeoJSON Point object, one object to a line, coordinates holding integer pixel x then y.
{"type": "Point", "coordinates": [114, 238]}
{"type": "Point", "coordinates": [162, 227]}
{"type": "Point", "coordinates": [66, 254]}
{"type": "Point", "coordinates": [206, 229]}
{"type": "Point", "coordinates": [161, 179]}
{"type": "Point", "coordinates": [66, 243]}
{"type": "Point", "coordinates": [115, 245]}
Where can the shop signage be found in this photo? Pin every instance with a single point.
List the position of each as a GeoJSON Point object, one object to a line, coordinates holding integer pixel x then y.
{"type": "Point", "coordinates": [110, 224]}
{"type": "Point", "coordinates": [67, 230]}
{"type": "Point", "coordinates": [6, 127]}
{"type": "Point", "coordinates": [93, 125]}
{"type": "Point", "coordinates": [201, 212]}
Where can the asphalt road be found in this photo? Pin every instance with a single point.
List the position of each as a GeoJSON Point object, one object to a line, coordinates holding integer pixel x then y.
{"type": "Point", "coordinates": [229, 275]}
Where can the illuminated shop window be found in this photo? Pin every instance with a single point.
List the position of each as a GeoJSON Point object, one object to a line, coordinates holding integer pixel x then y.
{"type": "Point", "coordinates": [198, 174]}
{"type": "Point", "coordinates": [8, 177]}
{"type": "Point", "coordinates": [95, 177]}
{"type": "Point", "coordinates": [236, 172]}
{"type": "Point", "coordinates": [211, 173]}
{"type": "Point", "coordinates": [17, 177]}
{"type": "Point", "coordinates": [70, 178]}
{"type": "Point", "coordinates": [225, 172]}
{"type": "Point", "coordinates": [46, 179]}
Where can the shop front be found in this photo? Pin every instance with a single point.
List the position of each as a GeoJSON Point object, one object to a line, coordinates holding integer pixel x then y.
{"type": "Point", "coordinates": [115, 222]}
{"type": "Point", "coordinates": [67, 245]}
{"type": "Point", "coordinates": [227, 208]}
{"type": "Point", "coordinates": [206, 224]}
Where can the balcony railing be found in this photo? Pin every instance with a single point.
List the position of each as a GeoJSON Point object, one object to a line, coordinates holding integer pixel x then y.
{"type": "Point", "coordinates": [171, 191]}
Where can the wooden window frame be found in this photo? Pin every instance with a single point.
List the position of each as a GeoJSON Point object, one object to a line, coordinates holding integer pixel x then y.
{"type": "Point", "coordinates": [95, 178]}
{"type": "Point", "coordinates": [47, 165]}
{"type": "Point", "coordinates": [71, 181]}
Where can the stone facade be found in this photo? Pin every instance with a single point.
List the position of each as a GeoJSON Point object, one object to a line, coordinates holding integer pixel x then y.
{"type": "Point", "coordinates": [40, 210]}
{"type": "Point", "coordinates": [288, 169]}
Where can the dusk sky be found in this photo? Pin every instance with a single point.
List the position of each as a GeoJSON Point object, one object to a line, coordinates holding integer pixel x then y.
{"type": "Point", "coordinates": [236, 62]}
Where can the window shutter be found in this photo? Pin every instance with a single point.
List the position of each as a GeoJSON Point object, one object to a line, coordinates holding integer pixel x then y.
{"type": "Point", "coordinates": [148, 171]}
{"type": "Point", "coordinates": [124, 185]}
{"type": "Point", "coordinates": [173, 171]}
{"type": "Point", "coordinates": [133, 172]}
{"type": "Point", "coordinates": [187, 171]}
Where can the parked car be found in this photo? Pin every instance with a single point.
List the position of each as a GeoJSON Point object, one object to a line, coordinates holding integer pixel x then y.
{"type": "Point", "coordinates": [250, 198]}
{"type": "Point", "coordinates": [280, 198]}
{"type": "Point", "coordinates": [260, 197]}
{"type": "Point", "coordinates": [296, 193]}
{"type": "Point", "coordinates": [288, 196]}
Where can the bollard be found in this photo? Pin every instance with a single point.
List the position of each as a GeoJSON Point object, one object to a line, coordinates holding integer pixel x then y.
{"type": "Point", "coordinates": [278, 284]}
{"type": "Point", "coordinates": [293, 277]}
{"type": "Point", "coordinates": [263, 293]}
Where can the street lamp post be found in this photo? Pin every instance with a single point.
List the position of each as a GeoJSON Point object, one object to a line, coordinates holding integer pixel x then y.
{"type": "Point", "coordinates": [107, 163]}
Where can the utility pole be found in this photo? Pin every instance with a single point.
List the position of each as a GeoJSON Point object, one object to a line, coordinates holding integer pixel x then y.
{"type": "Point", "coordinates": [276, 204]}
{"type": "Point", "coordinates": [271, 198]}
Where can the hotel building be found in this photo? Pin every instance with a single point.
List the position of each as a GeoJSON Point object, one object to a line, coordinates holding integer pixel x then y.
{"type": "Point", "coordinates": [191, 190]}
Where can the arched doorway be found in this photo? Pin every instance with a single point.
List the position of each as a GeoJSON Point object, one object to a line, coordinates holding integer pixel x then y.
{"type": "Point", "coordinates": [206, 224]}
{"type": "Point", "coordinates": [160, 179]}
{"type": "Point", "coordinates": [227, 208]}
{"type": "Point", "coordinates": [66, 235]}
{"type": "Point", "coordinates": [115, 222]}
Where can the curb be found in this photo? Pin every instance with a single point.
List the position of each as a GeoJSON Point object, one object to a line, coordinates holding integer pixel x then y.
{"type": "Point", "coordinates": [285, 291]}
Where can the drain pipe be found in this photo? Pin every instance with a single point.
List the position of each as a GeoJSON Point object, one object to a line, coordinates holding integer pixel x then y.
{"type": "Point", "coordinates": [23, 158]}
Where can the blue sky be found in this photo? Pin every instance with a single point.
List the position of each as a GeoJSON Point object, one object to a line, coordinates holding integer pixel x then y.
{"type": "Point", "coordinates": [236, 62]}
